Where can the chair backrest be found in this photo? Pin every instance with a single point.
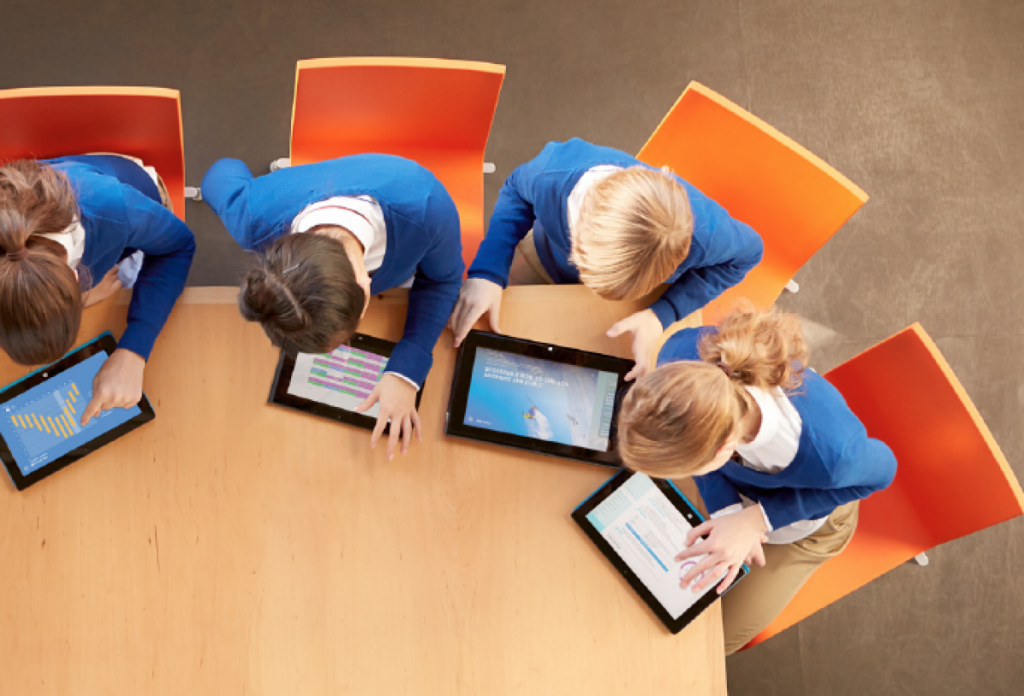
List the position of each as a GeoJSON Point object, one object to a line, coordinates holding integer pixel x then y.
{"type": "Point", "coordinates": [145, 122]}
{"type": "Point", "coordinates": [793, 199]}
{"type": "Point", "coordinates": [951, 479]}
{"type": "Point", "coordinates": [436, 112]}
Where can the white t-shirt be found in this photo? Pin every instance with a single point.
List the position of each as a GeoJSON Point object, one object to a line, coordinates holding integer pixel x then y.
{"type": "Point", "coordinates": [360, 215]}
{"type": "Point", "coordinates": [772, 450]}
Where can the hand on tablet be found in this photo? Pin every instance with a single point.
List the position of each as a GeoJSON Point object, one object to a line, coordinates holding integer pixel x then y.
{"type": "Point", "coordinates": [646, 329]}
{"type": "Point", "coordinates": [732, 540]}
{"type": "Point", "coordinates": [118, 384]}
{"type": "Point", "coordinates": [397, 403]}
{"type": "Point", "coordinates": [476, 298]}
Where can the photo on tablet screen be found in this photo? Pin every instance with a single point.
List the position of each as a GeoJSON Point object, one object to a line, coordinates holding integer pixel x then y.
{"type": "Point", "coordinates": [541, 399]}
{"type": "Point", "coordinates": [342, 378]}
{"type": "Point", "coordinates": [43, 424]}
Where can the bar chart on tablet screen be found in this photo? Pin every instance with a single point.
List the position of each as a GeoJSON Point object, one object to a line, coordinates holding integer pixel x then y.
{"type": "Point", "coordinates": [341, 378]}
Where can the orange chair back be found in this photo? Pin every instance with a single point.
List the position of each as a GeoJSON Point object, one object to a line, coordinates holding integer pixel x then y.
{"type": "Point", "coordinates": [436, 112]}
{"type": "Point", "coordinates": [793, 199]}
{"type": "Point", "coordinates": [144, 122]}
{"type": "Point", "coordinates": [951, 479]}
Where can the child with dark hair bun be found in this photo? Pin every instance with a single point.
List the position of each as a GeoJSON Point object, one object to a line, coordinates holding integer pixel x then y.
{"type": "Point", "coordinates": [330, 235]}
{"type": "Point", "coordinates": [66, 225]}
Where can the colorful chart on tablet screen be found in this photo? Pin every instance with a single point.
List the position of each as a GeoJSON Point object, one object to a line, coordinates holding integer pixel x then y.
{"type": "Point", "coordinates": [342, 378]}
{"type": "Point", "coordinates": [44, 423]}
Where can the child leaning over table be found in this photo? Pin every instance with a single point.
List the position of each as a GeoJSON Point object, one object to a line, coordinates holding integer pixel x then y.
{"type": "Point", "coordinates": [583, 213]}
{"type": "Point", "coordinates": [776, 453]}
{"type": "Point", "coordinates": [328, 237]}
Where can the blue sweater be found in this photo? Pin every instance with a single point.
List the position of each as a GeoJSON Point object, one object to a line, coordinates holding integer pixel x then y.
{"type": "Point", "coordinates": [118, 220]}
{"type": "Point", "coordinates": [535, 196]}
{"type": "Point", "coordinates": [422, 229]}
{"type": "Point", "coordinates": [836, 462]}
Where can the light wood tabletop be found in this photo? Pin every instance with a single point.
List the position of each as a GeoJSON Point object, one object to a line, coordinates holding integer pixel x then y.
{"type": "Point", "coordinates": [230, 547]}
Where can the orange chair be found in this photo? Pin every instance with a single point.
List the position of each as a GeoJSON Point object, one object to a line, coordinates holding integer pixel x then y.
{"type": "Point", "coordinates": [436, 112]}
{"type": "Point", "coordinates": [144, 122]}
{"type": "Point", "coordinates": [951, 479]}
{"type": "Point", "coordinates": [794, 200]}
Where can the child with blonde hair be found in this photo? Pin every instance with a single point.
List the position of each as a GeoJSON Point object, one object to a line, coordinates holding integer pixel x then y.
{"type": "Point", "coordinates": [776, 453]}
{"type": "Point", "coordinates": [583, 213]}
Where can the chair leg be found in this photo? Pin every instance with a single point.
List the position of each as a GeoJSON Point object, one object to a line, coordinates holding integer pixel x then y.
{"type": "Point", "coordinates": [280, 163]}
{"type": "Point", "coordinates": [792, 286]}
{"type": "Point", "coordinates": [921, 559]}
{"type": "Point", "coordinates": [193, 193]}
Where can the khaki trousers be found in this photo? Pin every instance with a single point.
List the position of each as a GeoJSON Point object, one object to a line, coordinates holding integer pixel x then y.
{"type": "Point", "coordinates": [757, 599]}
{"type": "Point", "coordinates": [526, 266]}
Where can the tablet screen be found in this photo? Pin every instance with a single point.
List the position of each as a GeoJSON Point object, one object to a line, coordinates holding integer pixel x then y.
{"type": "Point", "coordinates": [342, 378]}
{"type": "Point", "coordinates": [541, 399]}
{"type": "Point", "coordinates": [646, 530]}
{"type": "Point", "coordinates": [43, 424]}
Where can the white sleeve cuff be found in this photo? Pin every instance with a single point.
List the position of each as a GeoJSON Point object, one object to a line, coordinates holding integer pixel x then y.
{"type": "Point", "coordinates": [730, 510]}
{"type": "Point", "coordinates": [767, 523]}
{"type": "Point", "coordinates": [403, 377]}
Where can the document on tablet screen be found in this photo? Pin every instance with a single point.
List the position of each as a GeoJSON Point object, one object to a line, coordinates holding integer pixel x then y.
{"type": "Point", "coordinates": [647, 531]}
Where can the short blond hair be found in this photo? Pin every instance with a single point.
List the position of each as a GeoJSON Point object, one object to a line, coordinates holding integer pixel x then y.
{"type": "Point", "coordinates": [674, 420]}
{"type": "Point", "coordinates": [633, 231]}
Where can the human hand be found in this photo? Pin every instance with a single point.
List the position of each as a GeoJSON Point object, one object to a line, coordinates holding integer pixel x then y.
{"type": "Point", "coordinates": [646, 329]}
{"type": "Point", "coordinates": [732, 540]}
{"type": "Point", "coordinates": [108, 285]}
{"type": "Point", "coordinates": [118, 384]}
{"type": "Point", "coordinates": [476, 298]}
{"type": "Point", "coordinates": [397, 404]}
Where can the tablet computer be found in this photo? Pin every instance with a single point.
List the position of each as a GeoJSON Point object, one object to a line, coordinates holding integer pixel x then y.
{"type": "Point", "coordinates": [330, 385]}
{"type": "Point", "coordinates": [41, 415]}
{"type": "Point", "coordinates": [537, 397]}
{"type": "Point", "coordinates": [640, 524]}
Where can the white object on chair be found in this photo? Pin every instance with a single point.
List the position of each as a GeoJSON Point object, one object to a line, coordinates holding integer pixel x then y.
{"type": "Point", "coordinates": [193, 193]}
{"type": "Point", "coordinates": [280, 163]}
{"type": "Point", "coordinates": [921, 559]}
{"type": "Point", "coordinates": [792, 286]}
{"type": "Point", "coordinates": [489, 167]}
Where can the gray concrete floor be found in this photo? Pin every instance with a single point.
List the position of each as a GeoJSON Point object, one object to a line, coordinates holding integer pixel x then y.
{"type": "Point", "coordinates": [918, 101]}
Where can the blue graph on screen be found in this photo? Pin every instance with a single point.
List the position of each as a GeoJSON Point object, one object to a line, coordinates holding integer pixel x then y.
{"type": "Point", "coordinates": [44, 423]}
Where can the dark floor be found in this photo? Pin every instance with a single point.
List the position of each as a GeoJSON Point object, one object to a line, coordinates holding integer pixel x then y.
{"type": "Point", "coordinates": [920, 102]}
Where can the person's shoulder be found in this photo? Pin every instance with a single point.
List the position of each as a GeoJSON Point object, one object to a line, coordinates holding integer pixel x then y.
{"type": "Point", "coordinates": [577, 153]}
{"type": "Point", "coordinates": [684, 345]}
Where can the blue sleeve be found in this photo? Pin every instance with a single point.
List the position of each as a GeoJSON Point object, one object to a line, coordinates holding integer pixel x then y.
{"type": "Point", "coordinates": [226, 189]}
{"type": "Point", "coordinates": [716, 491]}
{"type": "Point", "coordinates": [512, 218]}
{"type": "Point", "coordinates": [434, 292]}
{"type": "Point", "coordinates": [869, 466]}
{"type": "Point", "coordinates": [168, 246]}
{"type": "Point", "coordinates": [734, 248]}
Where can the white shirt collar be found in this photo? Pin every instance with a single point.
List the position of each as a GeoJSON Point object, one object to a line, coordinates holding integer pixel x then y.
{"type": "Point", "coordinates": [770, 417]}
{"type": "Point", "coordinates": [72, 238]}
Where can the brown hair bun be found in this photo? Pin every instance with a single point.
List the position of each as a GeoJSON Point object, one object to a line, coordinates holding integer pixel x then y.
{"type": "Point", "coordinates": [304, 293]}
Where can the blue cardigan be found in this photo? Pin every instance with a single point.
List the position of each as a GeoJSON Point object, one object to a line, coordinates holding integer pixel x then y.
{"type": "Point", "coordinates": [422, 227]}
{"type": "Point", "coordinates": [118, 220]}
{"type": "Point", "coordinates": [836, 462]}
{"type": "Point", "coordinates": [535, 196]}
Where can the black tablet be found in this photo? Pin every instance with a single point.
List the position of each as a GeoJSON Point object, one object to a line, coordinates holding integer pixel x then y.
{"type": "Point", "coordinates": [330, 385]}
{"type": "Point", "coordinates": [40, 427]}
{"type": "Point", "coordinates": [537, 397]}
{"type": "Point", "coordinates": [640, 524]}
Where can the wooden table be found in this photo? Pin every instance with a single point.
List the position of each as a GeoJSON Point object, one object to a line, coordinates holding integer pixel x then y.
{"type": "Point", "coordinates": [231, 547]}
